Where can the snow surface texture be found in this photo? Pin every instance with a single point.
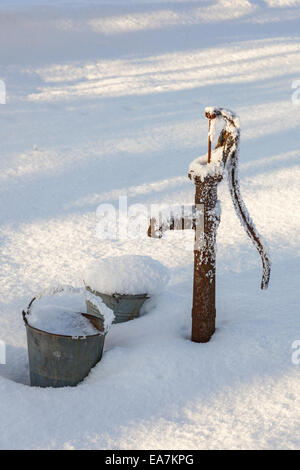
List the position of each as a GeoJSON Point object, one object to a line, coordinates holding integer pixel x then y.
{"type": "Point", "coordinates": [173, 217]}
{"type": "Point", "coordinates": [127, 274]}
{"type": "Point", "coordinates": [119, 110]}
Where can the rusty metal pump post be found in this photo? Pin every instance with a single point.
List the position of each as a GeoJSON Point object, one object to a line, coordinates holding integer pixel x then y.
{"type": "Point", "coordinates": [204, 289]}
{"type": "Point", "coordinates": [206, 173]}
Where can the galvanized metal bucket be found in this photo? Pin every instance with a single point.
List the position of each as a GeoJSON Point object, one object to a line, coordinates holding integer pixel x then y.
{"type": "Point", "coordinates": [125, 307]}
{"type": "Point", "coordinates": [60, 360]}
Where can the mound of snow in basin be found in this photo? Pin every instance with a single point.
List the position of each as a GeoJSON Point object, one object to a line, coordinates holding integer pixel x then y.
{"type": "Point", "coordinates": [61, 314]}
{"type": "Point", "coordinates": [128, 274]}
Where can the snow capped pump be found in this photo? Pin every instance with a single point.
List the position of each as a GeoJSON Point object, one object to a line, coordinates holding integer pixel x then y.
{"type": "Point", "coordinates": [207, 172]}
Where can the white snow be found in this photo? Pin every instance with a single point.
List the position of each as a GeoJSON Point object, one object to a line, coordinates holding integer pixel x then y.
{"type": "Point", "coordinates": [127, 274]}
{"type": "Point", "coordinates": [117, 108]}
{"type": "Point", "coordinates": [61, 314]}
{"type": "Point", "coordinates": [200, 168]}
{"type": "Point", "coordinates": [106, 314]}
{"type": "Point", "coordinates": [58, 310]}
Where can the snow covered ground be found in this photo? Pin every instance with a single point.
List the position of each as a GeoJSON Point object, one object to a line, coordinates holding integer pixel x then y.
{"type": "Point", "coordinates": [106, 98]}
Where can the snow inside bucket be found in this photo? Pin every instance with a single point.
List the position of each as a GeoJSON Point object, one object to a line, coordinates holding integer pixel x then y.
{"type": "Point", "coordinates": [64, 343]}
{"type": "Point", "coordinates": [124, 283]}
{"type": "Point", "coordinates": [62, 311]}
{"type": "Point", "coordinates": [61, 315]}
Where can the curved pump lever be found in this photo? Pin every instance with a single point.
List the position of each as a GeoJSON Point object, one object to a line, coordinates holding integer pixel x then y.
{"type": "Point", "coordinates": [229, 139]}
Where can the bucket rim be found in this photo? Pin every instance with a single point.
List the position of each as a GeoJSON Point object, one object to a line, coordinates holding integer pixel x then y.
{"type": "Point", "coordinates": [116, 295]}
{"type": "Point", "coordinates": [27, 324]}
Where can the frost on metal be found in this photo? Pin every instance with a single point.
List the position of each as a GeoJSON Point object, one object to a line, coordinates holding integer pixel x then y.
{"type": "Point", "coordinates": [2, 352]}
{"type": "Point", "coordinates": [106, 314]}
{"type": "Point", "coordinates": [207, 247]}
{"type": "Point", "coordinates": [200, 169]}
{"type": "Point", "coordinates": [180, 217]}
{"type": "Point", "coordinates": [229, 140]}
